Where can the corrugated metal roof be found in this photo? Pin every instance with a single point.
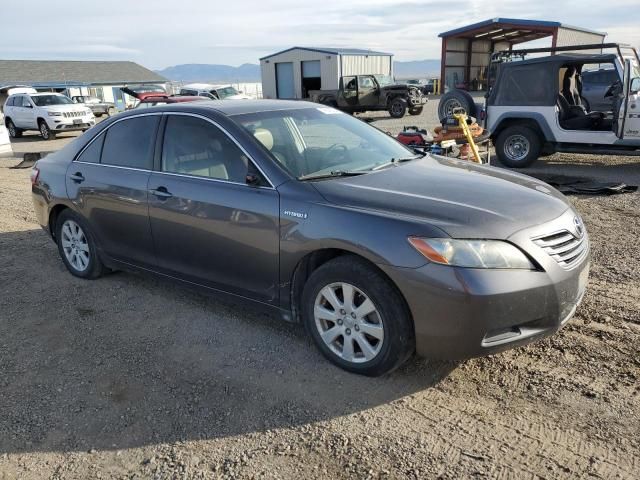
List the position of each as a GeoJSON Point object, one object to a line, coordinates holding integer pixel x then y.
{"type": "Point", "coordinates": [514, 21]}
{"type": "Point", "coordinates": [41, 72]}
{"type": "Point", "coordinates": [333, 51]}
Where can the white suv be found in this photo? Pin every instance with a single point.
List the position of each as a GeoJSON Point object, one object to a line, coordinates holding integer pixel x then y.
{"type": "Point", "coordinates": [48, 113]}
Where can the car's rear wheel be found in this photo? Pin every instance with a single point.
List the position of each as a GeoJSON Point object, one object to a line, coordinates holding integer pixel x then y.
{"type": "Point", "coordinates": [45, 131]}
{"type": "Point", "coordinates": [14, 132]}
{"type": "Point", "coordinates": [398, 107]}
{"type": "Point", "coordinates": [416, 111]}
{"type": "Point", "coordinates": [518, 146]}
{"type": "Point", "coordinates": [358, 320]}
{"type": "Point", "coordinates": [77, 246]}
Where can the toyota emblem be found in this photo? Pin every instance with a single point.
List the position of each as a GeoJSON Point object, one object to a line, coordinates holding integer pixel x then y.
{"type": "Point", "coordinates": [579, 227]}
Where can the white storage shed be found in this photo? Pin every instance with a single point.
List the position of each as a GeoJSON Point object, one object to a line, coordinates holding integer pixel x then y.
{"type": "Point", "coordinates": [293, 72]}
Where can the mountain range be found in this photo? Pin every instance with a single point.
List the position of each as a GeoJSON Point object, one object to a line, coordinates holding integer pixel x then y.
{"type": "Point", "coordinates": [249, 72]}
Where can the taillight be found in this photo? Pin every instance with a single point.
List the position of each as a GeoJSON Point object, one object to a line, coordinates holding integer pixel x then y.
{"type": "Point", "coordinates": [35, 173]}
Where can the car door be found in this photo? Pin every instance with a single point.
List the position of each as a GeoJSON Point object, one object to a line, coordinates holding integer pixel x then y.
{"type": "Point", "coordinates": [209, 226]}
{"type": "Point", "coordinates": [108, 184]}
{"type": "Point", "coordinates": [19, 113]}
{"type": "Point", "coordinates": [348, 92]}
{"type": "Point", "coordinates": [368, 92]}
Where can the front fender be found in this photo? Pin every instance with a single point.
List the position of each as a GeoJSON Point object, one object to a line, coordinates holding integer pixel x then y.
{"type": "Point", "coordinates": [373, 235]}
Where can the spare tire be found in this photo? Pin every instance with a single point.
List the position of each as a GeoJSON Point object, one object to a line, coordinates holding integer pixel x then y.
{"type": "Point", "coordinates": [453, 99]}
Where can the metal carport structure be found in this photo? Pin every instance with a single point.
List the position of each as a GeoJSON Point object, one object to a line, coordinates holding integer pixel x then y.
{"type": "Point", "coordinates": [466, 50]}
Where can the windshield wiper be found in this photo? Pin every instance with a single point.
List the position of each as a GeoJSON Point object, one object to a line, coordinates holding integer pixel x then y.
{"type": "Point", "coordinates": [395, 161]}
{"type": "Point", "coordinates": [334, 173]}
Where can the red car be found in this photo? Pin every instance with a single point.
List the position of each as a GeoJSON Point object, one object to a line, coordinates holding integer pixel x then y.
{"type": "Point", "coordinates": [151, 99]}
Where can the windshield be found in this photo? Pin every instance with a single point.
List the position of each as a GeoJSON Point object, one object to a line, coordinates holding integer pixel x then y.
{"type": "Point", "coordinates": [226, 92]}
{"type": "Point", "coordinates": [48, 100]}
{"type": "Point", "coordinates": [316, 141]}
{"type": "Point", "coordinates": [384, 80]}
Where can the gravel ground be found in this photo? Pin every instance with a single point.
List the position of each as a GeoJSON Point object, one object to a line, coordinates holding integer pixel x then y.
{"type": "Point", "coordinates": [132, 377]}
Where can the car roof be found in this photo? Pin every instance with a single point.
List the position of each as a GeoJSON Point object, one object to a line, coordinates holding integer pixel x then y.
{"type": "Point", "coordinates": [234, 107]}
{"type": "Point", "coordinates": [240, 107]}
{"type": "Point", "coordinates": [171, 99]}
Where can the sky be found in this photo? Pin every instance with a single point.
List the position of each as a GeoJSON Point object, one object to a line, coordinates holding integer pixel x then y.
{"type": "Point", "coordinates": [159, 34]}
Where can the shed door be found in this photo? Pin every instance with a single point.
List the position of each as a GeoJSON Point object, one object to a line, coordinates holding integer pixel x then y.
{"type": "Point", "coordinates": [284, 80]}
{"type": "Point", "coordinates": [310, 77]}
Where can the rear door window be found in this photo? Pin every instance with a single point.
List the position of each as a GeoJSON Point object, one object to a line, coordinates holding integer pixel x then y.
{"type": "Point", "coordinates": [193, 146]}
{"type": "Point", "coordinates": [92, 153]}
{"type": "Point", "coordinates": [129, 143]}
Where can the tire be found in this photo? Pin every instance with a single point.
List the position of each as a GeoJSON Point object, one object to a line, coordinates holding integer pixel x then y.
{"type": "Point", "coordinates": [45, 131]}
{"type": "Point", "coordinates": [398, 107]}
{"type": "Point", "coordinates": [456, 98]}
{"type": "Point", "coordinates": [518, 146]}
{"type": "Point", "coordinates": [72, 242]}
{"type": "Point", "coordinates": [14, 132]}
{"type": "Point", "coordinates": [416, 111]}
{"type": "Point", "coordinates": [389, 340]}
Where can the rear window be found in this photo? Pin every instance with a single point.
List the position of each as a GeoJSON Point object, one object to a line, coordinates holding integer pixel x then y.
{"type": "Point", "coordinates": [129, 143]}
{"type": "Point", "coordinates": [10, 101]}
{"type": "Point", "coordinates": [526, 85]}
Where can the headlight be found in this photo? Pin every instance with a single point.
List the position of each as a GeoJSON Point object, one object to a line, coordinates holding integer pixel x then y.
{"type": "Point", "coordinates": [88, 111]}
{"type": "Point", "coordinates": [471, 253]}
{"type": "Point", "coordinates": [55, 114]}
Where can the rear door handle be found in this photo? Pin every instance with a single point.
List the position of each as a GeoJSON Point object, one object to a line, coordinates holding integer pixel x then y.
{"type": "Point", "coordinates": [77, 177]}
{"type": "Point", "coordinates": [161, 193]}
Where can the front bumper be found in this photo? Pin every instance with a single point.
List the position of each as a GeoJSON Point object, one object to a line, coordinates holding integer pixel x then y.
{"type": "Point", "coordinates": [418, 101]}
{"type": "Point", "coordinates": [460, 313]}
{"type": "Point", "coordinates": [63, 124]}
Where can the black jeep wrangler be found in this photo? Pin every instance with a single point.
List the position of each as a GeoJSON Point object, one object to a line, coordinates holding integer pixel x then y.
{"type": "Point", "coordinates": [362, 93]}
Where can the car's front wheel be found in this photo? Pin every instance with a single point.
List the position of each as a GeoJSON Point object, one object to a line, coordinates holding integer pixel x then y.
{"type": "Point", "coordinates": [77, 246]}
{"type": "Point", "coordinates": [518, 146]}
{"type": "Point", "coordinates": [357, 318]}
{"type": "Point", "coordinates": [398, 107]}
{"type": "Point", "coordinates": [45, 131]}
{"type": "Point", "coordinates": [14, 132]}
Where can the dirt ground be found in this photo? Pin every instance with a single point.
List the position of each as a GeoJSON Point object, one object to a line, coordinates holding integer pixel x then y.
{"type": "Point", "coordinates": [132, 377]}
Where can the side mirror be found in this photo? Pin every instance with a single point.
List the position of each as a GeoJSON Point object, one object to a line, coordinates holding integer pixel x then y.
{"type": "Point", "coordinates": [635, 85]}
{"type": "Point", "coordinates": [28, 106]}
{"type": "Point", "coordinates": [252, 179]}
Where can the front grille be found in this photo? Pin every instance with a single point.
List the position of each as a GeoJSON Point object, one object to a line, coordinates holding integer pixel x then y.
{"type": "Point", "coordinates": [72, 114]}
{"type": "Point", "coordinates": [566, 248]}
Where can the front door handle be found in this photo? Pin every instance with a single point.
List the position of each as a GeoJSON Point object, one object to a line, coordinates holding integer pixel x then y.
{"type": "Point", "coordinates": [77, 177]}
{"type": "Point", "coordinates": [161, 193]}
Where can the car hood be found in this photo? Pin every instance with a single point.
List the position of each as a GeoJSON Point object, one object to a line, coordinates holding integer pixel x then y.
{"type": "Point", "coordinates": [72, 107]}
{"type": "Point", "coordinates": [463, 199]}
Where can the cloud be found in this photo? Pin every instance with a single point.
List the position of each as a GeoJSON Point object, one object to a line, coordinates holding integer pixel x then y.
{"type": "Point", "coordinates": [158, 34]}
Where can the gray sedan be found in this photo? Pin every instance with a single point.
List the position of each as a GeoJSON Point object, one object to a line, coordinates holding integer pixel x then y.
{"type": "Point", "coordinates": [314, 215]}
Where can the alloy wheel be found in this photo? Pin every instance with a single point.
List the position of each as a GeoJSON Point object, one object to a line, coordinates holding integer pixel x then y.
{"type": "Point", "coordinates": [517, 147]}
{"type": "Point", "coordinates": [75, 245]}
{"type": "Point", "coordinates": [348, 322]}
{"type": "Point", "coordinates": [44, 131]}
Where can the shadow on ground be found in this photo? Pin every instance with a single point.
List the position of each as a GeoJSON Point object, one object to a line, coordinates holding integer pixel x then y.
{"type": "Point", "coordinates": [127, 361]}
